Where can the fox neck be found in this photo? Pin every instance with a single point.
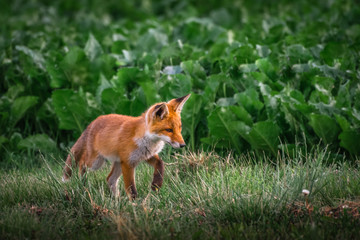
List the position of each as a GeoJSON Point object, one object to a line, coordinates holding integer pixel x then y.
{"type": "Point", "coordinates": [144, 134]}
{"type": "Point", "coordinates": [148, 144]}
{"type": "Point", "coordinates": [151, 142]}
{"type": "Point", "coordinates": [148, 136]}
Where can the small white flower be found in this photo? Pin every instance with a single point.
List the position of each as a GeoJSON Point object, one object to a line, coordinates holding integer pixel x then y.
{"type": "Point", "coordinates": [305, 192]}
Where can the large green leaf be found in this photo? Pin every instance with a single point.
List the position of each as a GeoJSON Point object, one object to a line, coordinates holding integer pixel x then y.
{"type": "Point", "coordinates": [343, 122]}
{"type": "Point", "coordinates": [34, 55]}
{"type": "Point", "coordinates": [171, 70]}
{"type": "Point", "coordinates": [57, 76]}
{"type": "Point", "coordinates": [150, 91]}
{"type": "Point", "coordinates": [325, 127]}
{"type": "Point", "coordinates": [343, 98]}
{"type": "Point", "coordinates": [264, 136]}
{"type": "Point", "coordinates": [350, 140]}
{"type": "Point", "coordinates": [217, 50]}
{"type": "Point", "coordinates": [128, 81]}
{"type": "Point", "coordinates": [200, 31]}
{"type": "Point", "coordinates": [245, 68]}
{"type": "Point", "coordinates": [152, 41]}
{"type": "Point", "coordinates": [20, 106]}
{"type": "Point", "coordinates": [196, 71]}
{"type": "Point", "coordinates": [40, 142]}
{"type": "Point", "coordinates": [127, 78]}
{"type": "Point", "coordinates": [175, 86]}
{"type": "Point", "coordinates": [298, 53]}
{"type": "Point", "coordinates": [104, 84]}
{"type": "Point", "coordinates": [114, 102]}
{"type": "Point", "coordinates": [266, 67]}
{"type": "Point", "coordinates": [241, 129]}
{"type": "Point", "coordinates": [211, 88]}
{"type": "Point", "coordinates": [191, 116]}
{"type": "Point", "coordinates": [263, 50]}
{"type": "Point", "coordinates": [332, 51]}
{"type": "Point", "coordinates": [242, 114]}
{"type": "Point", "coordinates": [244, 54]}
{"type": "Point", "coordinates": [14, 91]}
{"type": "Point", "coordinates": [92, 48]}
{"type": "Point", "coordinates": [249, 99]}
{"type": "Point", "coordinates": [72, 110]}
{"type": "Point", "coordinates": [3, 140]}
{"type": "Point", "coordinates": [138, 102]}
{"type": "Point", "coordinates": [219, 123]}
{"type": "Point", "coordinates": [224, 102]}
{"type": "Point", "coordinates": [75, 66]}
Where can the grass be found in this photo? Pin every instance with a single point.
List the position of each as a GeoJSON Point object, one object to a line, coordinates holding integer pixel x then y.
{"type": "Point", "coordinates": [204, 196]}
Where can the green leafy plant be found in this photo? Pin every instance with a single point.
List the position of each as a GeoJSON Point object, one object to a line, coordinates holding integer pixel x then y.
{"type": "Point", "coordinates": [257, 80]}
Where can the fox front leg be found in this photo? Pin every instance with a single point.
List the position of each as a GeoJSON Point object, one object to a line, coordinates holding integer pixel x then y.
{"type": "Point", "coordinates": [158, 166]}
{"type": "Point", "coordinates": [129, 180]}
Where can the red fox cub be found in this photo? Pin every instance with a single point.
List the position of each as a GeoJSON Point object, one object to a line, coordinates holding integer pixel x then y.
{"type": "Point", "coordinates": [126, 141]}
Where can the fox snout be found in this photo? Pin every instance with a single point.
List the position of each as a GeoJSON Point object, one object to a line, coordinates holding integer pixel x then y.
{"type": "Point", "coordinates": [177, 141]}
{"type": "Point", "coordinates": [177, 144]}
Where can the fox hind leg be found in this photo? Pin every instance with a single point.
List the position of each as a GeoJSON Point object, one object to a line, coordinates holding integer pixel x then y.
{"type": "Point", "coordinates": [113, 178]}
{"type": "Point", "coordinates": [97, 163]}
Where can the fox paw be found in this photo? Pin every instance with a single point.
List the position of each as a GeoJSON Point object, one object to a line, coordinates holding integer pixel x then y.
{"type": "Point", "coordinates": [155, 187]}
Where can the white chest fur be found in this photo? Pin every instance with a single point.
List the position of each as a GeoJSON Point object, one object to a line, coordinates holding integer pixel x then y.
{"type": "Point", "coordinates": [148, 146]}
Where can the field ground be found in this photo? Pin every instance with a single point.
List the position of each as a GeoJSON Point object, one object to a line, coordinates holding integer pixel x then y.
{"type": "Point", "coordinates": [204, 196]}
{"type": "Point", "coordinates": [262, 74]}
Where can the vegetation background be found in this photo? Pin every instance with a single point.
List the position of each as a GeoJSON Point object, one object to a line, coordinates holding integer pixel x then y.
{"type": "Point", "coordinates": [273, 83]}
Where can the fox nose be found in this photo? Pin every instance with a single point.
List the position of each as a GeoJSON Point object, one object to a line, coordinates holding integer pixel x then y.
{"type": "Point", "coordinates": [182, 145]}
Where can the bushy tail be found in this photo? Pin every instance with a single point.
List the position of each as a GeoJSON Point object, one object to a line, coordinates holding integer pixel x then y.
{"type": "Point", "coordinates": [76, 153]}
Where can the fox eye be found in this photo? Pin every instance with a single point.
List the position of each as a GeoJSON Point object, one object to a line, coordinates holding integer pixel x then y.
{"type": "Point", "coordinates": [169, 130]}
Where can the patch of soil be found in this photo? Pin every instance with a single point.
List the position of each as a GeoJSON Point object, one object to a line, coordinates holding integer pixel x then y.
{"type": "Point", "coordinates": [349, 208]}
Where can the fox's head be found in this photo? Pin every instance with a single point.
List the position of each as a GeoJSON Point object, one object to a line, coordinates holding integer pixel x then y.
{"type": "Point", "coordinates": [163, 121]}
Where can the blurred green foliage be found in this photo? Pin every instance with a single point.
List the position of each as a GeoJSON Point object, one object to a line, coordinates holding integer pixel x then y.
{"type": "Point", "coordinates": [261, 72]}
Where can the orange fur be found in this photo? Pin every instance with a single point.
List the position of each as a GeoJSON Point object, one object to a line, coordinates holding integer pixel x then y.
{"type": "Point", "coordinates": [126, 141]}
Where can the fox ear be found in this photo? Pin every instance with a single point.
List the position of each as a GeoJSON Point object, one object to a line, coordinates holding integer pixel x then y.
{"type": "Point", "coordinates": [160, 110]}
{"type": "Point", "coordinates": [178, 103]}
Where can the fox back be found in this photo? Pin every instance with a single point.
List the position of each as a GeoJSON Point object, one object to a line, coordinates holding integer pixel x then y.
{"type": "Point", "coordinates": [125, 141]}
